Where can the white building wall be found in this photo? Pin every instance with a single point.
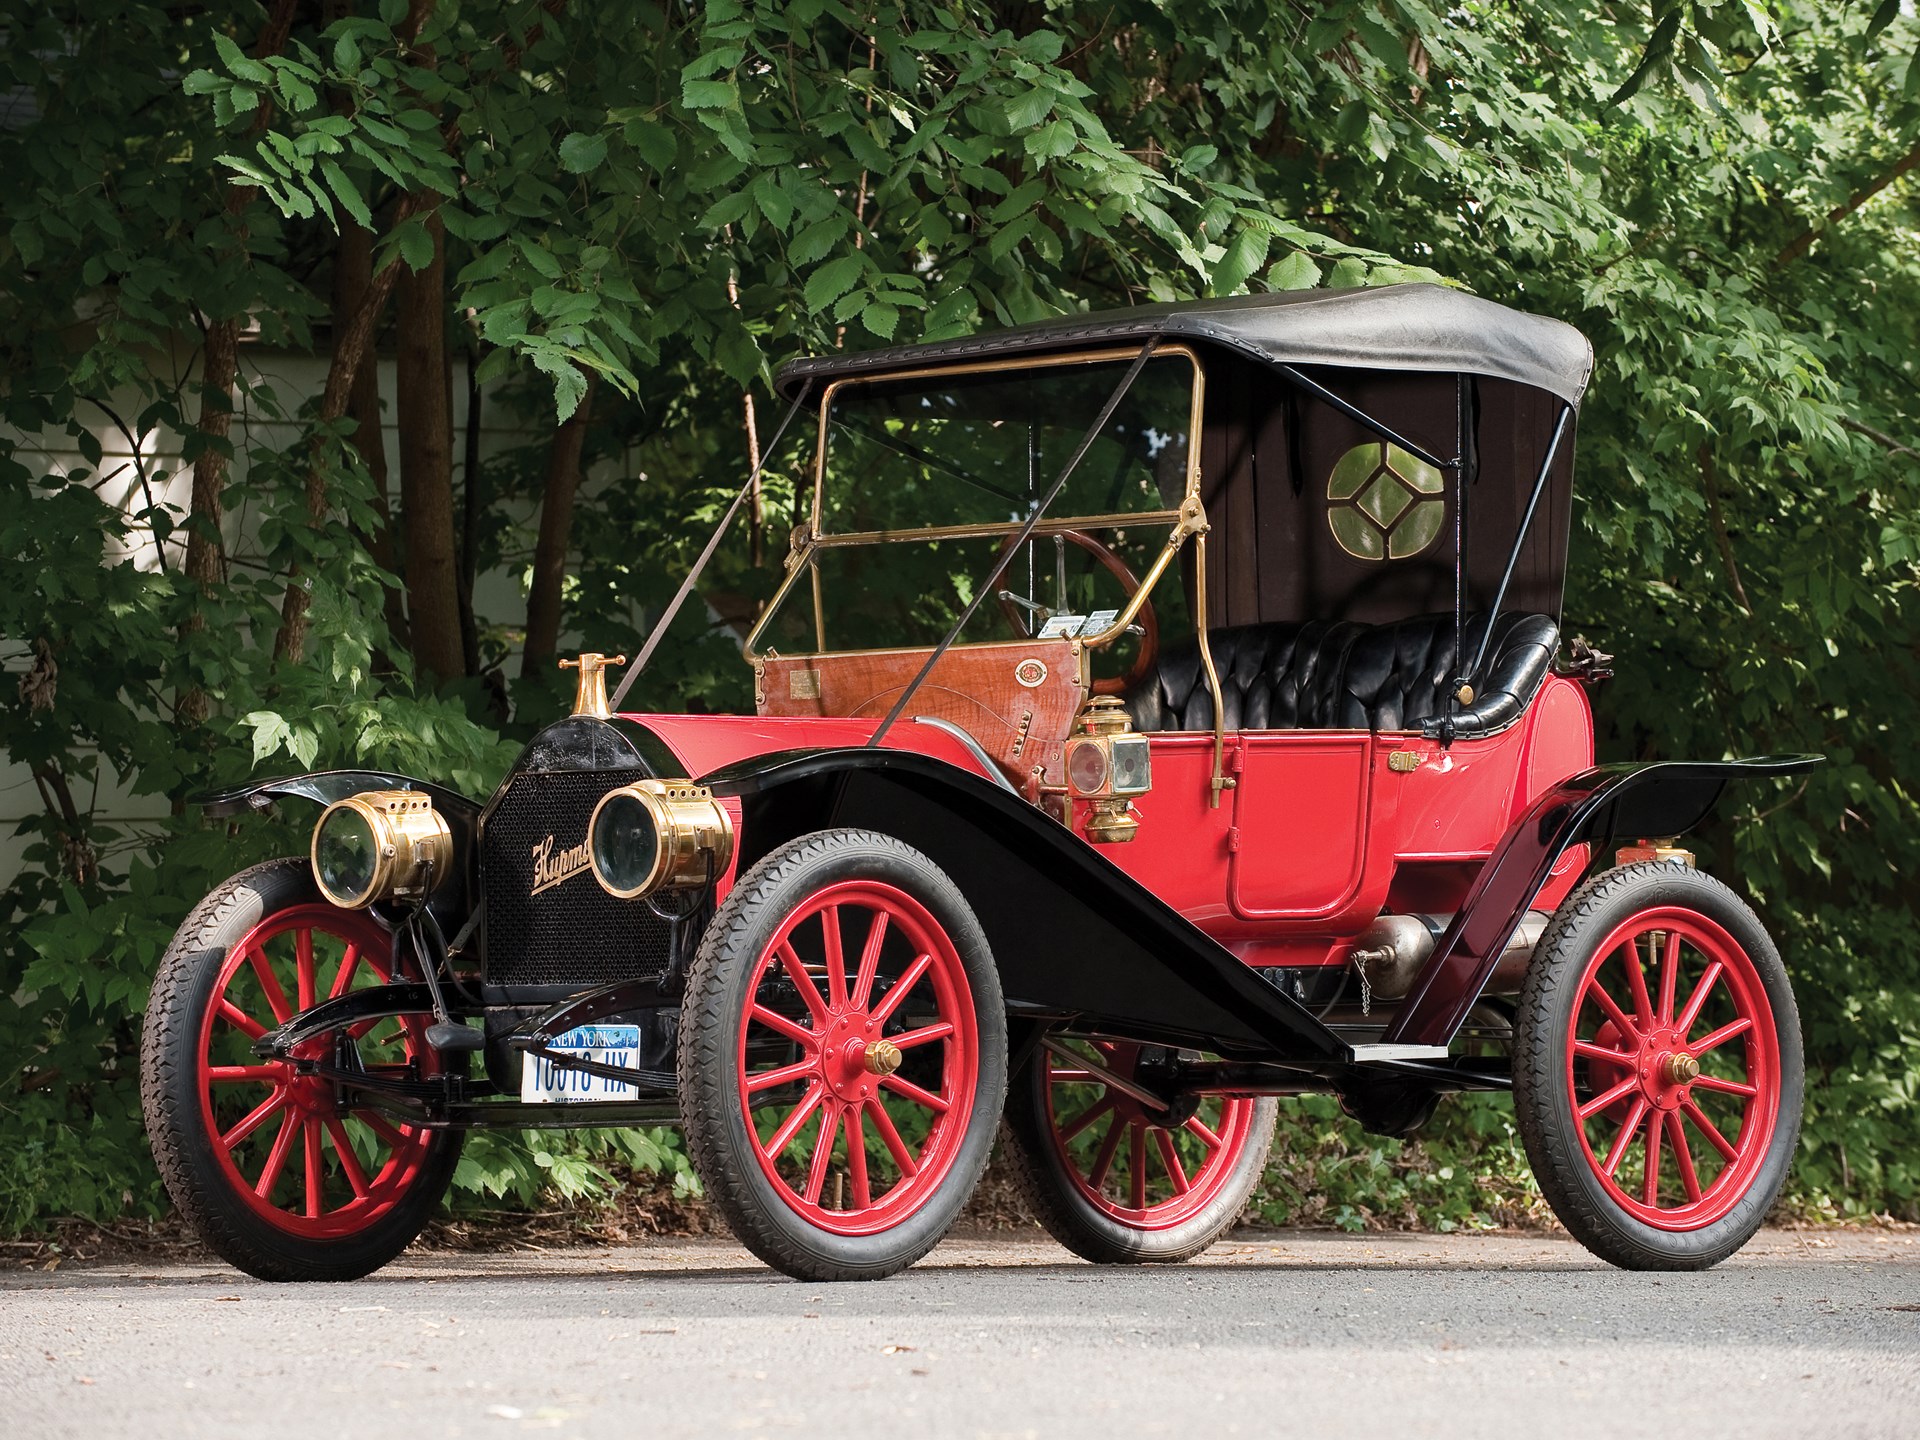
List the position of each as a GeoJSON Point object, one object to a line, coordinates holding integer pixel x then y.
{"type": "Point", "coordinates": [499, 594]}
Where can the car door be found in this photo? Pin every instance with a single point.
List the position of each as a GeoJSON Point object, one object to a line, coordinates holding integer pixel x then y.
{"type": "Point", "coordinates": [1297, 849]}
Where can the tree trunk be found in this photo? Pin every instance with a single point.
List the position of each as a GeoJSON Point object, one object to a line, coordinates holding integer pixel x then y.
{"type": "Point", "coordinates": [426, 467]}
{"type": "Point", "coordinates": [219, 367]}
{"type": "Point", "coordinates": [472, 505]}
{"type": "Point", "coordinates": [219, 370]}
{"type": "Point", "coordinates": [352, 278]}
{"type": "Point", "coordinates": [556, 536]}
{"type": "Point", "coordinates": [350, 346]}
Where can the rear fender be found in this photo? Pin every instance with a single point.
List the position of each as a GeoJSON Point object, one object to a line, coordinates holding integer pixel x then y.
{"type": "Point", "coordinates": [1073, 936]}
{"type": "Point", "coordinates": [1597, 806]}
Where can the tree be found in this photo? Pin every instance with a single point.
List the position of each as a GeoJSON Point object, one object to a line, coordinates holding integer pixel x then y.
{"type": "Point", "coordinates": [651, 205]}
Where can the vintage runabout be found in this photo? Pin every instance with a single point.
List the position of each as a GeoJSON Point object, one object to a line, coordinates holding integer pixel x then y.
{"type": "Point", "coordinates": [1161, 711]}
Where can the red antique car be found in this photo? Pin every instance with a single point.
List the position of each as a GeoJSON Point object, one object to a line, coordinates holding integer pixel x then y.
{"type": "Point", "coordinates": [1162, 711]}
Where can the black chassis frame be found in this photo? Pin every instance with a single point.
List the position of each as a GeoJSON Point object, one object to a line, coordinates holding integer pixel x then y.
{"type": "Point", "coordinates": [1081, 946]}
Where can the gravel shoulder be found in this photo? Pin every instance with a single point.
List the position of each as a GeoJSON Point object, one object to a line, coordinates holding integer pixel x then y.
{"type": "Point", "coordinates": [1310, 1333]}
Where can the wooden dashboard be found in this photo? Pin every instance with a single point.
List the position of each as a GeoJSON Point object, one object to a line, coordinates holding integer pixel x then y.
{"type": "Point", "coordinates": [1017, 698]}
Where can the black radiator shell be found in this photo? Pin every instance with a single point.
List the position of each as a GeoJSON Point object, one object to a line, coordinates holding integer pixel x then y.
{"type": "Point", "coordinates": [564, 931]}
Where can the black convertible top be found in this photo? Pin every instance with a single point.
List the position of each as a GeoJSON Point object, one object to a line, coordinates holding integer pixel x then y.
{"type": "Point", "coordinates": [1393, 327]}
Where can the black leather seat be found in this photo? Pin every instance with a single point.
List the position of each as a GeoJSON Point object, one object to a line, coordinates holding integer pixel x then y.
{"type": "Point", "coordinates": [1338, 675]}
{"type": "Point", "coordinates": [1272, 677]}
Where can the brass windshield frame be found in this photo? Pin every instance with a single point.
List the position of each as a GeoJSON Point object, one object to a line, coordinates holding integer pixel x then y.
{"type": "Point", "coordinates": [1189, 518]}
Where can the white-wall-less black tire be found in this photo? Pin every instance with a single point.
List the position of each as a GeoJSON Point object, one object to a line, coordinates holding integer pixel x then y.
{"type": "Point", "coordinates": [1657, 1069]}
{"type": "Point", "coordinates": [843, 992]}
{"type": "Point", "coordinates": [262, 1162]}
{"type": "Point", "coordinates": [1120, 1183]}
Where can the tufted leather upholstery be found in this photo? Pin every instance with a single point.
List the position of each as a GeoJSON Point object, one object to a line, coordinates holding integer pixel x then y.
{"type": "Point", "coordinates": [1337, 675]}
{"type": "Point", "coordinates": [1272, 677]}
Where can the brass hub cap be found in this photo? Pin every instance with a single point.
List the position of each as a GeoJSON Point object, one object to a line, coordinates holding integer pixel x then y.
{"type": "Point", "coordinates": [882, 1057]}
{"type": "Point", "coordinates": [1666, 1070]}
{"type": "Point", "coordinates": [1680, 1069]}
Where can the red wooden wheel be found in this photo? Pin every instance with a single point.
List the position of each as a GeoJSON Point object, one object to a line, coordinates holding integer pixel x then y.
{"type": "Point", "coordinates": [1673, 1066]}
{"type": "Point", "coordinates": [262, 1158]}
{"type": "Point", "coordinates": [289, 1151]}
{"type": "Point", "coordinates": [858, 1058]}
{"type": "Point", "coordinates": [1132, 1164]}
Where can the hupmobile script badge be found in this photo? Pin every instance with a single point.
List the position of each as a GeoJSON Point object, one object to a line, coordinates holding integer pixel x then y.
{"type": "Point", "coordinates": [555, 867]}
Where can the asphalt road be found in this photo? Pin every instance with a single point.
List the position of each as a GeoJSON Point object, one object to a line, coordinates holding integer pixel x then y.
{"type": "Point", "coordinates": [1280, 1334]}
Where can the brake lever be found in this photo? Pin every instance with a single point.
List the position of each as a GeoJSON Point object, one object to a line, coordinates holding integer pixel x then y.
{"type": "Point", "coordinates": [1041, 613]}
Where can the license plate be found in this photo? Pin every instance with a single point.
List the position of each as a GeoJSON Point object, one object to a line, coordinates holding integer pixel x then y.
{"type": "Point", "coordinates": [543, 1082]}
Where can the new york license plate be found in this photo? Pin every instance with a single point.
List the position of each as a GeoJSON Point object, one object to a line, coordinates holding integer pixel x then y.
{"type": "Point", "coordinates": [543, 1082]}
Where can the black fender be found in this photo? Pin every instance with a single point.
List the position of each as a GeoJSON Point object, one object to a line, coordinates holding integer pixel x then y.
{"type": "Point", "coordinates": [1072, 934]}
{"type": "Point", "coordinates": [1596, 806]}
{"type": "Point", "coordinates": [324, 787]}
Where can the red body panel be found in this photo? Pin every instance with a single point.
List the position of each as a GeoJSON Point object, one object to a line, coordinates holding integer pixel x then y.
{"type": "Point", "coordinates": [1321, 832]}
{"type": "Point", "coordinates": [704, 743]}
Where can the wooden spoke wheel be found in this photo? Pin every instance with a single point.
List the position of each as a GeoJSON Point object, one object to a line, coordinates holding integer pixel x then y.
{"type": "Point", "coordinates": [1118, 1182]}
{"type": "Point", "coordinates": [842, 1056]}
{"type": "Point", "coordinates": [1658, 1072]}
{"type": "Point", "coordinates": [267, 1161]}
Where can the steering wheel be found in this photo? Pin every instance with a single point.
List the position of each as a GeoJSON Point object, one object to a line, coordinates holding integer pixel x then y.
{"type": "Point", "coordinates": [1130, 584]}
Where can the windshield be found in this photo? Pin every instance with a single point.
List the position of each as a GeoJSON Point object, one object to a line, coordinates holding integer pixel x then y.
{"type": "Point", "coordinates": [922, 479]}
{"type": "Point", "coordinates": [939, 451]}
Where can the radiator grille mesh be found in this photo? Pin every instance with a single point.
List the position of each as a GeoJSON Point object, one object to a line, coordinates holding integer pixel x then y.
{"type": "Point", "coordinates": [548, 922]}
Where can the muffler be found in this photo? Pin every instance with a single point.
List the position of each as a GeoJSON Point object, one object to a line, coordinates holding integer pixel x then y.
{"type": "Point", "coordinates": [1390, 952]}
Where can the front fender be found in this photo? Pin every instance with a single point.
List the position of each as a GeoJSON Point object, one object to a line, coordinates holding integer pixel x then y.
{"type": "Point", "coordinates": [1072, 934]}
{"type": "Point", "coordinates": [1598, 805]}
{"type": "Point", "coordinates": [324, 787]}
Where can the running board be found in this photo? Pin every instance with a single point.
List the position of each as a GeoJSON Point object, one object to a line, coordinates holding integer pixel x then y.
{"type": "Point", "coordinates": [1371, 1054]}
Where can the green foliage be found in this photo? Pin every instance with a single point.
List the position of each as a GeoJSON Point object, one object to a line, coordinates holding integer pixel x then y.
{"type": "Point", "coordinates": [575, 1165]}
{"type": "Point", "coordinates": [672, 198]}
{"type": "Point", "coordinates": [1465, 1170]}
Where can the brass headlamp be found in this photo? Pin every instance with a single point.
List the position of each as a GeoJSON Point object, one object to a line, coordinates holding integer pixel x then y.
{"type": "Point", "coordinates": [658, 835]}
{"type": "Point", "coordinates": [378, 845]}
{"type": "Point", "coordinates": [1107, 765]}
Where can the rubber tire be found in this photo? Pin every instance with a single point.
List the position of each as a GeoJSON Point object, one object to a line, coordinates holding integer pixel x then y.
{"type": "Point", "coordinates": [716, 1123]}
{"type": "Point", "coordinates": [1034, 1162]}
{"type": "Point", "coordinates": [1544, 1110]}
{"type": "Point", "coordinates": [169, 1096]}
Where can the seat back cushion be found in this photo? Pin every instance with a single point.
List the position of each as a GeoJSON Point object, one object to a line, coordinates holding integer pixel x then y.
{"type": "Point", "coordinates": [1337, 675]}
{"type": "Point", "coordinates": [1396, 676]}
{"type": "Point", "coordinates": [1272, 677]}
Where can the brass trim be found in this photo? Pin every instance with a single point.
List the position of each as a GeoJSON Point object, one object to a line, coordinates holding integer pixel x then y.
{"type": "Point", "coordinates": [819, 607]}
{"type": "Point", "coordinates": [882, 1057]}
{"type": "Point", "coordinates": [692, 836]}
{"type": "Point", "coordinates": [808, 538]}
{"type": "Point", "coordinates": [1192, 517]}
{"type": "Point", "coordinates": [413, 848]}
{"type": "Point", "coordinates": [590, 695]}
{"type": "Point", "coordinates": [1680, 1068]}
{"type": "Point", "coordinates": [1404, 762]}
{"type": "Point", "coordinates": [1220, 780]}
{"type": "Point", "coordinates": [1113, 821]}
{"type": "Point", "coordinates": [1025, 646]}
{"type": "Point", "coordinates": [986, 530]}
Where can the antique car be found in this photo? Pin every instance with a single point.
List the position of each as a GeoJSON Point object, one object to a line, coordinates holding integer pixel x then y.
{"type": "Point", "coordinates": [1161, 711]}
